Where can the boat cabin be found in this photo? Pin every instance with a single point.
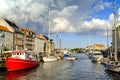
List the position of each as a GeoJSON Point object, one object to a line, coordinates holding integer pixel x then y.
{"type": "Point", "coordinates": [23, 54]}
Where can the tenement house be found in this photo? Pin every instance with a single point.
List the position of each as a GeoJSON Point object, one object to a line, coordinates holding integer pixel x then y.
{"type": "Point", "coordinates": [6, 35]}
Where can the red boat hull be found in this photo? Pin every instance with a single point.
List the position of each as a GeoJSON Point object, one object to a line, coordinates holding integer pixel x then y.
{"type": "Point", "coordinates": [13, 64]}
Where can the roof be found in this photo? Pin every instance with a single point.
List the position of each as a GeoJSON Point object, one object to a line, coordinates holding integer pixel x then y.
{"type": "Point", "coordinates": [25, 30]}
{"type": "Point", "coordinates": [45, 37]}
{"type": "Point", "coordinates": [11, 23]}
{"type": "Point", "coordinates": [96, 46]}
{"type": "Point", "coordinates": [5, 26]}
{"type": "Point", "coordinates": [99, 45]}
{"type": "Point", "coordinates": [14, 26]}
{"type": "Point", "coordinates": [40, 36]}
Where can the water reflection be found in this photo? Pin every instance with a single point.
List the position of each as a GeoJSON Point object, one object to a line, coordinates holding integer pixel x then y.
{"type": "Point", "coordinates": [80, 69]}
{"type": "Point", "coordinates": [115, 76]}
{"type": "Point", "coordinates": [19, 75]}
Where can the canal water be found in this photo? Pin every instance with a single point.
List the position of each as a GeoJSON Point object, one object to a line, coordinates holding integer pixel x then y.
{"type": "Point", "coordinates": [80, 69]}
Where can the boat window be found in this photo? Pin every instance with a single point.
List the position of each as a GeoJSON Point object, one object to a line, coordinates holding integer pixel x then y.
{"type": "Point", "coordinates": [17, 53]}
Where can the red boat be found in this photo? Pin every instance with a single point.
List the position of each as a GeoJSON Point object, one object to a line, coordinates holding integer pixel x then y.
{"type": "Point", "coordinates": [21, 60]}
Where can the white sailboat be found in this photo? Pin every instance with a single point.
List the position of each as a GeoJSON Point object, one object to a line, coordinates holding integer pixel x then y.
{"type": "Point", "coordinates": [114, 65]}
{"type": "Point", "coordinates": [49, 58]}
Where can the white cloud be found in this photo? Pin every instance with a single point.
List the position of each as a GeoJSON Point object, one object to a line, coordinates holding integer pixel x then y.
{"type": "Point", "coordinates": [37, 12]}
{"type": "Point", "coordinates": [68, 11]}
{"type": "Point", "coordinates": [23, 11]}
{"type": "Point", "coordinates": [100, 5]}
{"type": "Point", "coordinates": [96, 27]}
{"type": "Point", "coordinates": [62, 25]}
{"type": "Point", "coordinates": [3, 4]}
{"type": "Point", "coordinates": [60, 19]}
{"type": "Point", "coordinates": [63, 16]}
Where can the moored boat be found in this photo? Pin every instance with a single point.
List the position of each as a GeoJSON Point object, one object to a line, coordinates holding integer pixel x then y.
{"type": "Point", "coordinates": [97, 57]}
{"type": "Point", "coordinates": [21, 59]}
{"type": "Point", "coordinates": [112, 66]}
{"type": "Point", "coordinates": [66, 55]}
{"type": "Point", "coordinates": [49, 59]}
{"type": "Point", "coordinates": [71, 58]}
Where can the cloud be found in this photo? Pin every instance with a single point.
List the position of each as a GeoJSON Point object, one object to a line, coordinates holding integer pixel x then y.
{"type": "Point", "coordinates": [68, 11]}
{"type": "Point", "coordinates": [100, 5]}
{"type": "Point", "coordinates": [95, 27]}
{"type": "Point", "coordinates": [65, 15]}
{"type": "Point", "coordinates": [27, 10]}
{"type": "Point", "coordinates": [37, 12]}
{"type": "Point", "coordinates": [61, 25]}
{"type": "Point", "coordinates": [98, 26]}
{"type": "Point", "coordinates": [60, 19]}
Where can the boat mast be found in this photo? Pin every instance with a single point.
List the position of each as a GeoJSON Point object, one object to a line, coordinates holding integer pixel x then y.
{"type": "Point", "coordinates": [107, 36]}
{"type": "Point", "coordinates": [60, 42]}
{"type": "Point", "coordinates": [115, 35]}
{"type": "Point", "coordinates": [49, 30]}
{"type": "Point", "coordinates": [57, 40]}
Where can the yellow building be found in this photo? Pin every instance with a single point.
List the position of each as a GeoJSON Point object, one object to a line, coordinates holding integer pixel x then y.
{"type": "Point", "coordinates": [48, 45]}
{"type": "Point", "coordinates": [96, 47]}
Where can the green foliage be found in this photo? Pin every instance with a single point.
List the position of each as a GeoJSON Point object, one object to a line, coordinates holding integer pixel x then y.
{"type": "Point", "coordinates": [4, 53]}
{"type": "Point", "coordinates": [78, 50]}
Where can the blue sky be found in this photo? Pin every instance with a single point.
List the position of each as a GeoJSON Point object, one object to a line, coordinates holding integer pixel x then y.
{"type": "Point", "coordinates": [78, 22]}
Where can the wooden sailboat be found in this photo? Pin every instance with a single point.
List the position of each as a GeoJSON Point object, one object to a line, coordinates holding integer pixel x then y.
{"type": "Point", "coordinates": [114, 65]}
{"type": "Point", "coordinates": [49, 58]}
